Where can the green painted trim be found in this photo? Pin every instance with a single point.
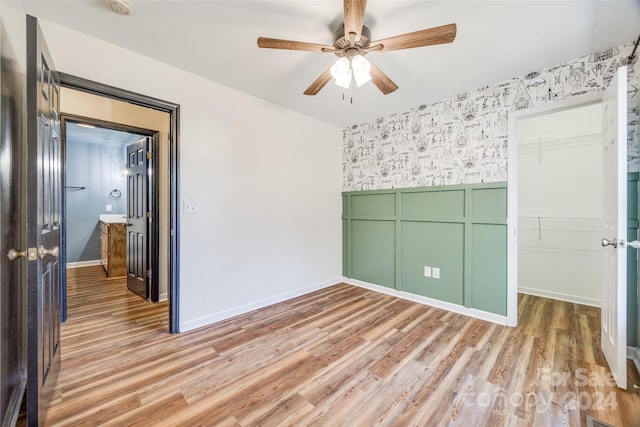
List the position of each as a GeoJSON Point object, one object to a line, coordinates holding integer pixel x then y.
{"type": "Point", "coordinates": [398, 241]}
{"type": "Point", "coordinates": [632, 292]}
{"type": "Point", "coordinates": [375, 217]}
{"type": "Point", "coordinates": [502, 184]}
{"type": "Point", "coordinates": [467, 245]}
{"type": "Point", "coordinates": [349, 237]}
{"type": "Point", "coordinates": [633, 223]}
{"type": "Point", "coordinates": [489, 221]}
{"type": "Point", "coordinates": [460, 220]}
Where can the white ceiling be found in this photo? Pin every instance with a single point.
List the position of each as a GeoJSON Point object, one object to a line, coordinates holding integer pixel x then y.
{"type": "Point", "coordinates": [496, 41]}
{"type": "Point", "coordinates": [115, 138]}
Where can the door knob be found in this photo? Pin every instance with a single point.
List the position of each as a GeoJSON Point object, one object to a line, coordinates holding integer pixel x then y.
{"type": "Point", "coordinates": [606, 242]}
{"type": "Point", "coordinates": [31, 254]}
{"type": "Point", "coordinates": [54, 251]}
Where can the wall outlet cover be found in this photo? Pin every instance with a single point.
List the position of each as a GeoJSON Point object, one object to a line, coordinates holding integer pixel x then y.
{"type": "Point", "coordinates": [427, 271]}
{"type": "Point", "coordinates": [189, 208]}
{"type": "Point", "coordinates": [108, 208]}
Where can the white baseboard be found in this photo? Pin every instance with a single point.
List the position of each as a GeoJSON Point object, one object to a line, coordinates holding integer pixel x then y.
{"type": "Point", "coordinates": [561, 296]}
{"type": "Point", "coordinates": [633, 353]}
{"type": "Point", "coordinates": [245, 308]}
{"type": "Point", "coordinates": [471, 312]}
{"type": "Point", "coordinates": [163, 297]}
{"type": "Point", "coordinates": [83, 263]}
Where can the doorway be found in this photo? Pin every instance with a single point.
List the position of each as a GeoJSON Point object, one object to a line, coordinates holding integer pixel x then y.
{"type": "Point", "coordinates": [513, 196]}
{"type": "Point", "coordinates": [118, 109]}
{"type": "Point", "coordinates": [560, 204]}
{"type": "Point", "coordinates": [99, 213]}
{"type": "Point", "coordinates": [571, 228]}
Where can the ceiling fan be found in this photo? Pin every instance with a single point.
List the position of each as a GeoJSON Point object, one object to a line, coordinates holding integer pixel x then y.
{"type": "Point", "coordinates": [352, 41]}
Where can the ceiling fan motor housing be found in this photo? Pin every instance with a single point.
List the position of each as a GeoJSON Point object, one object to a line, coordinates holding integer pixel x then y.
{"type": "Point", "coordinates": [340, 41]}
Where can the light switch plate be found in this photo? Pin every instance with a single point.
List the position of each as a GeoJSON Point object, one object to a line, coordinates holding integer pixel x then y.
{"type": "Point", "coordinates": [436, 272]}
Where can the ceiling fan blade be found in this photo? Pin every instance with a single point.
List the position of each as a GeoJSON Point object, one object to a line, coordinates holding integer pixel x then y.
{"type": "Point", "coordinates": [381, 80]}
{"type": "Point", "coordinates": [354, 17]}
{"type": "Point", "coordinates": [319, 83]}
{"type": "Point", "coordinates": [269, 43]}
{"type": "Point", "coordinates": [428, 37]}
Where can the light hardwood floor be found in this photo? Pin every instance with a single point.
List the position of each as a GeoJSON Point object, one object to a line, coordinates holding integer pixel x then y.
{"type": "Point", "coordinates": [339, 356]}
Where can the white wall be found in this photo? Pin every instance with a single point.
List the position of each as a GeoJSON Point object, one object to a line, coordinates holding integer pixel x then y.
{"type": "Point", "coordinates": [560, 204]}
{"type": "Point", "coordinates": [265, 181]}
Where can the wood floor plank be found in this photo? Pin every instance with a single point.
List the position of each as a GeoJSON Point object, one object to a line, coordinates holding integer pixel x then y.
{"type": "Point", "coordinates": [339, 356]}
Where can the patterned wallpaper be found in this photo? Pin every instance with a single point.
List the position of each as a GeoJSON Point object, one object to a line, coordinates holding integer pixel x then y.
{"type": "Point", "coordinates": [463, 140]}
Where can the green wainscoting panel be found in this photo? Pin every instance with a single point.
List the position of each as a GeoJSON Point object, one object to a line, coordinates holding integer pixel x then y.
{"type": "Point", "coordinates": [391, 235]}
{"type": "Point", "coordinates": [433, 204]}
{"type": "Point", "coordinates": [632, 260]}
{"type": "Point", "coordinates": [488, 269]}
{"type": "Point", "coordinates": [373, 205]}
{"type": "Point", "coordinates": [345, 248]}
{"type": "Point", "coordinates": [489, 203]}
{"type": "Point", "coordinates": [435, 245]}
{"type": "Point", "coordinates": [373, 250]}
{"type": "Point", "coordinates": [632, 291]}
{"type": "Point", "coordinates": [345, 203]}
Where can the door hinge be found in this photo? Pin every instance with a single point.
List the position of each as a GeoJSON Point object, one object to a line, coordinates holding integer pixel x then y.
{"type": "Point", "coordinates": [149, 214]}
{"type": "Point", "coordinates": [149, 273]}
{"type": "Point", "coordinates": [149, 154]}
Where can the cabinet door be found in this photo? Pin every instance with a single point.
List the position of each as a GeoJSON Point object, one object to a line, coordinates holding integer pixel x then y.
{"type": "Point", "coordinates": [104, 246]}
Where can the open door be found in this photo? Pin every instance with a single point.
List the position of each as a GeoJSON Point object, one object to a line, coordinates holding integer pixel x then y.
{"type": "Point", "coordinates": [138, 217]}
{"type": "Point", "coordinates": [13, 362]}
{"type": "Point", "coordinates": [614, 215]}
{"type": "Point", "coordinates": [43, 187]}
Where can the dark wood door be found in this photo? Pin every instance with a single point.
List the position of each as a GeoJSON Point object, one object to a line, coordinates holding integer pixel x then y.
{"type": "Point", "coordinates": [43, 186]}
{"type": "Point", "coordinates": [13, 363]}
{"type": "Point", "coordinates": [137, 219]}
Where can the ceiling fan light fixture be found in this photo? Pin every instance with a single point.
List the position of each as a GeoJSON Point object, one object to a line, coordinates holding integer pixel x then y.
{"type": "Point", "coordinates": [361, 69]}
{"type": "Point", "coordinates": [341, 72]}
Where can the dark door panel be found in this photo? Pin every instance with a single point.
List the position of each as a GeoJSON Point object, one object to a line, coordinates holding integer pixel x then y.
{"type": "Point", "coordinates": [43, 186]}
{"type": "Point", "coordinates": [13, 363]}
{"type": "Point", "coordinates": [137, 220]}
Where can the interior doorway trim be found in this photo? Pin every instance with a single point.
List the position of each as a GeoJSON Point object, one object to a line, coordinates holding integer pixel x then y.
{"type": "Point", "coordinates": [100, 89]}
{"type": "Point", "coordinates": [512, 188]}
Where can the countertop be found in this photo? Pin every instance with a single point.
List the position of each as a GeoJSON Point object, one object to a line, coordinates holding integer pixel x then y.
{"type": "Point", "coordinates": [113, 218]}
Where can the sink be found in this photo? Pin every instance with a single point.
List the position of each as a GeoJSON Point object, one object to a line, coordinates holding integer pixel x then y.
{"type": "Point", "coordinates": [113, 218]}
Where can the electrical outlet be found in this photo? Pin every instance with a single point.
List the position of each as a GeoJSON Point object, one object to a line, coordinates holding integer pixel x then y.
{"type": "Point", "coordinates": [427, 271]}
{"type": "Point", "coordinates": [436, 272]}
{"type": "Point", "coordinates": [108, 208]}
{"type": "Point", "coordinates": [189, 208]}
